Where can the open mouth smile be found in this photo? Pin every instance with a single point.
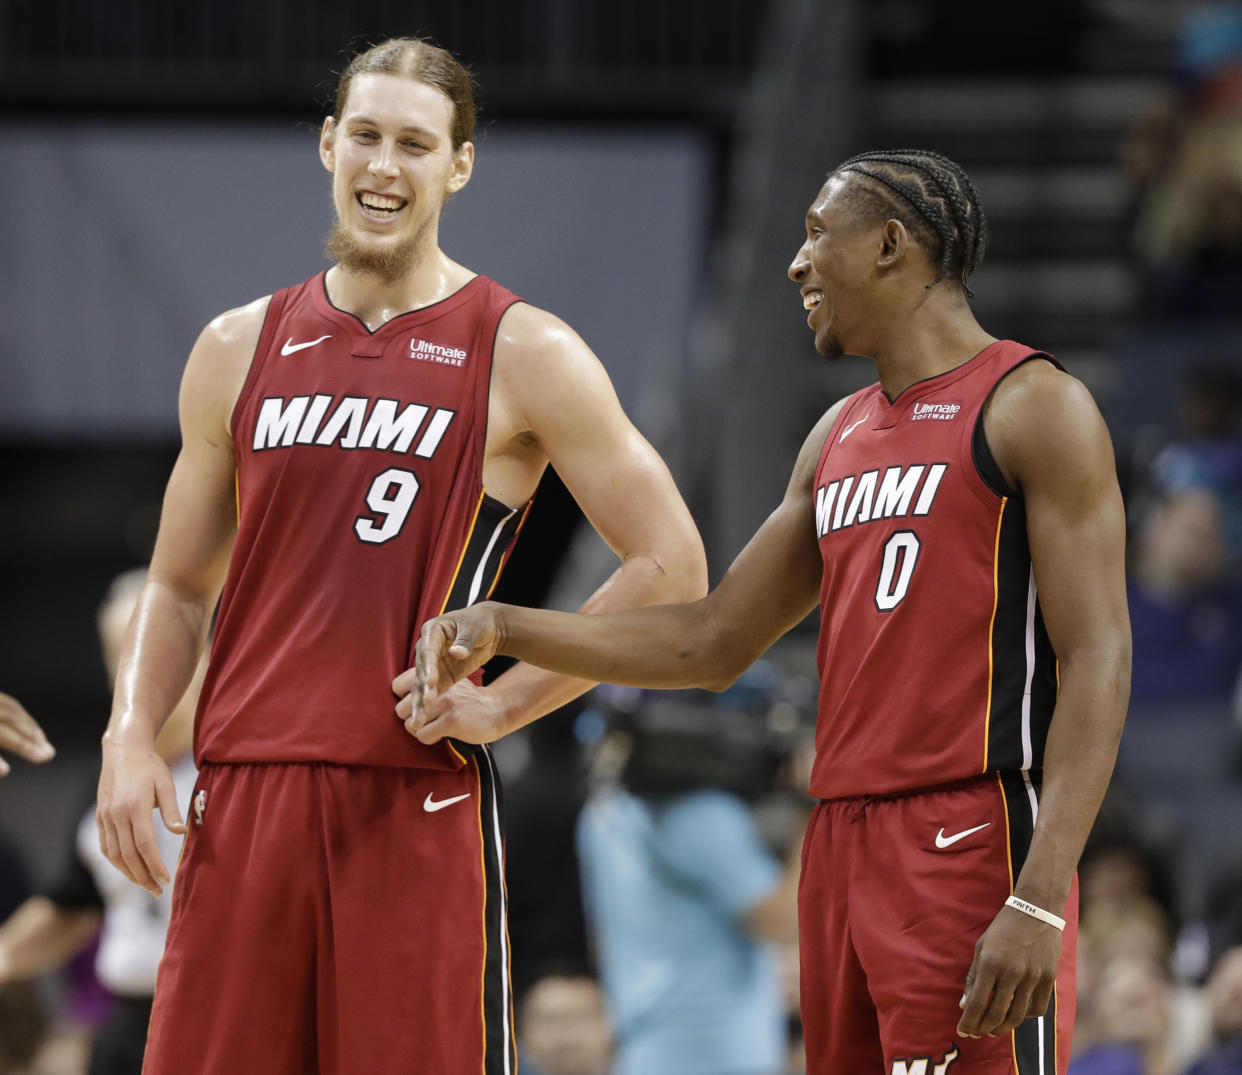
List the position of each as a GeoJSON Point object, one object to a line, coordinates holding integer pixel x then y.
{"type": "Point", "coordinates": [380, 206]}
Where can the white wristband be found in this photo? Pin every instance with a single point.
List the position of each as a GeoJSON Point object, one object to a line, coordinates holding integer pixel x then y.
{"type": "Point", "coordinates": [1035, 912]}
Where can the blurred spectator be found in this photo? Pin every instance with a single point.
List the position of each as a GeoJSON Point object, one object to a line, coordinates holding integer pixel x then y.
{"type": "Point", "coordinates": [683, 896]}
{"type": "Point", "coordinates": [48, 929]}
{"type": "Point", "coordinates": [1224, 990]}
{"type": "Point", "coordinates": [1133, 1016]}
{"type": "Point", "coordinates": [1121, 869]}
{"type": "Point", "coordinates": [1187, 159]}
{"type": "Point", "coordinates": [1132, 1021]}
{"type": "Point", "coordinates": [23, 1027]}
{"type": "Point", "coordinates": [562, 1026]}
{"type": "Point", "coordinates": [1207, 451]}
{"type": "Point", "coordinates": [1185, 610]}
{"type": "Point", "coordinates": [23, 1018]}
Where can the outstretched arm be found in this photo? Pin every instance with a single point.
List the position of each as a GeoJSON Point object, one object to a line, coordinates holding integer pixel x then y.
{"type": "Point", "coordinates": [552, 402]}
{"type": "Point", "coordinates": [771, 586]}
{"type": "Point", "coordinates": [1050, 441]}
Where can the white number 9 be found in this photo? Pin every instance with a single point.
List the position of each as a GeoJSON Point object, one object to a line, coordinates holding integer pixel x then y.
{"type": "Point", "coordinates": [390, 497]}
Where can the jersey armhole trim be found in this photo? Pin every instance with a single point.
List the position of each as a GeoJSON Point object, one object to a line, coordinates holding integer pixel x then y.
{"type": "Point", "coordinates": [985, 462]}
{"type": "Point", "coordinates": [275, 307]}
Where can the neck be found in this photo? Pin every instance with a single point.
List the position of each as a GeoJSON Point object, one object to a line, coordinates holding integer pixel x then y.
{"type": "Point", "coordinates": [376, 300]}
{"type": "Point", "coordinates": [938, 334]}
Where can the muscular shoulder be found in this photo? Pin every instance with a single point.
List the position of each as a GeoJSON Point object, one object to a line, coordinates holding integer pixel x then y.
{"type": "Point", "coordinates": [238, 328]}
{"type": "Point", "coordinates": [533, 339]}
{"type": "Point", "coordinates": [218, 365]}
{"type": "Point", "coordinates": [1040, 417]}
{"type": "Point", "coordinates": [544, 375]}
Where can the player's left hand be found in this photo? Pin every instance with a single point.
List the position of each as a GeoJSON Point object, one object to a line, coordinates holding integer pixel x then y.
{"type": "Point", "coordinates": [465, 712]}
{"type": "Point", "coordinates": [1012, 975]}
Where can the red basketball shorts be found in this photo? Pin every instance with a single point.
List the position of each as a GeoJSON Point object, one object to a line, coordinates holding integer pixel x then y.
{"type": "Point", "coordinates": [894, 894]}
{"type": "Point", "coordinates": [337, 920]}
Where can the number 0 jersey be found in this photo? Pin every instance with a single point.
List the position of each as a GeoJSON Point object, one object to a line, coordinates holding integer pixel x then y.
{"type": "Point", "coordinates": [933, 657]}
{"type": "Point", "coordinates": [361, 513]}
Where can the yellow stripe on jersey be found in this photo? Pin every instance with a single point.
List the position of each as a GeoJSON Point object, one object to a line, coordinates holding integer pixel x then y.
{"type": "Point", "coordinates": [987, 712]}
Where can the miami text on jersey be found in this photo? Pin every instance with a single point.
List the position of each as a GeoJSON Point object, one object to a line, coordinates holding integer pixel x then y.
{"type": "Point", "coordinates": [865, 497]}
{"type": "Point", "coordinates": [354, 422]}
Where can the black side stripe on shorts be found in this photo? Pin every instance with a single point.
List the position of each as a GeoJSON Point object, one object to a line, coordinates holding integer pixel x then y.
{"type": "Point", "coordinates": [1034, 1040]}
{"type": "Point", "coordinates": [500, 1056]}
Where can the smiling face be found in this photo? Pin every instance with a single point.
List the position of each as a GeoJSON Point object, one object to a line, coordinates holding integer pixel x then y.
{"type": "Point", "coordinates": [835, 270]}
{"type": "Point", "coordinates": [393, 166]}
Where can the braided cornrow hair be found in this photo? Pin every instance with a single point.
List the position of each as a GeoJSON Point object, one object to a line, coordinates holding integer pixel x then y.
{"type": "Point", "coordinates": [948, 219]}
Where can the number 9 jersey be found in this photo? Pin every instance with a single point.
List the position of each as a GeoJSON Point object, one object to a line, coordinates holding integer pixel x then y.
{"type": "Point", "coordinates": [361, 513]}
{"type": "Point", "coordinates": [933, 657]}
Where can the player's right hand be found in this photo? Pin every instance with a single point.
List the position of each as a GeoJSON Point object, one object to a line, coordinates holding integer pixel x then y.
{"type": "Point", "coordinates": [21, 734]}
{"type": "Point", "coordinates": [449, 649]}
{"type": "Point", "coordinates": [133, 783]}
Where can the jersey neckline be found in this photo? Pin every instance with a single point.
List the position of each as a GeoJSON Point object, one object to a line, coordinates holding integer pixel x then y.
{"type": "Point", "coordinates": [353, 323]}
{"type": "Point", "coordinates": [938, 380]}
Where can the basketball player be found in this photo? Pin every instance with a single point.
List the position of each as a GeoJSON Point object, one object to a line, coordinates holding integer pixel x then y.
{"type": "Point", "coordinates": [961, 527]}
{"type": "Point", "coordinates": [20, 733]}
{"type": "Point", "coordinates": [339, 905]}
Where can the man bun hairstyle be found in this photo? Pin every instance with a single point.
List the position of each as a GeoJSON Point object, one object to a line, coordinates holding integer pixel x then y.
{"type": "Point", "coordinates": [419, 59]}
{"type": "Point", "coordinates": [932, 196]}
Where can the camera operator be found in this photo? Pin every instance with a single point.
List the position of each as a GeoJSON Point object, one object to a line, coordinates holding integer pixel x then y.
{"type": "Point", "coordinates": [686, 901]}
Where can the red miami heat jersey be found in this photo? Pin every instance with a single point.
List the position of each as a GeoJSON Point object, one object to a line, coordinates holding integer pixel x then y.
{"type": "Point", "coordinates": [933, 657]}
{"type": "Point", "coordinates": [361, 513]}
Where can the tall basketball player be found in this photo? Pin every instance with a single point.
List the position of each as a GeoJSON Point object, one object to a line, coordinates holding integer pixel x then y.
{"type": "Point", "coordinates": [358, 455]}
{"type": "Point", "coordinates": [960, 527]}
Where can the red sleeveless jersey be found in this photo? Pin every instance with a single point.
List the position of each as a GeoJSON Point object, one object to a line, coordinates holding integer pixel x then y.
{"type": "Point", "coordinates": [934, 662]}
{"type": "Point", "coordinates": [361, 513]}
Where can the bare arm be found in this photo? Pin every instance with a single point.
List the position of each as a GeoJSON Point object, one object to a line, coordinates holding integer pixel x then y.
{"type": "Point", "coordinates": [552, 402]}
{"type": "Point", "coordinates": [1049, 439]}
{"type": "Point", "coordinates": [771, 586]}
{"type": "Point", "coordinates": [40, 936]}
{"type": "Point", "coordinates": [20, 733]}
{"type": "Point", "coordinates": [169, 625]}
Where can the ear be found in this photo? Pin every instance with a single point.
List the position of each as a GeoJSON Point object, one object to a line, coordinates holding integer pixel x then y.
{"type": "Point", "coordinates": [327, 144]}
{"type": "Point", "coordinates": [893, 242]}
{"type": "Point", "coordinates": [463, 167]}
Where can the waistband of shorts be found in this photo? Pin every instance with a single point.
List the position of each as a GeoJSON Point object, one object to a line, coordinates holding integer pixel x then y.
{"type": "Point", "coordinates": [931, 789]}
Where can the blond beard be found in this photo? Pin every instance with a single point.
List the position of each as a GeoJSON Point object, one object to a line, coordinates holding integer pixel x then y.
{"type": "Point", "coordinates": [389, 262]}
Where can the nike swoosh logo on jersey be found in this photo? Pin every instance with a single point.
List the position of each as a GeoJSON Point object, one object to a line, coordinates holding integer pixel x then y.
{"type": "Point", "coordinates": [850, 429]}
{"type": "Point", "coordinates": [432, 805]}
{"type": "Point", "coordinates": [947, 841]}
{"type": "Point", "coordinates": [290, 346]}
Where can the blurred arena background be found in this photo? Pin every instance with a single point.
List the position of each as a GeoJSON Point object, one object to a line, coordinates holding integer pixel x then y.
{"type": "Point", "coordinates": [642, 171]}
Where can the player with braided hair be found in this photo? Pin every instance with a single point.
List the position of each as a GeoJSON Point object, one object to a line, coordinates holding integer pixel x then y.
{"type": "Point", "coordinates": [947, 213]}
{"type": "Point", "coordinates": [960, 527]}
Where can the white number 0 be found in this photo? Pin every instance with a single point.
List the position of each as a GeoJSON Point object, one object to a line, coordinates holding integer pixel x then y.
{"type": "Point", "coordinates": [391, 496]}
{"type": "Point", "coordinates": [901, 551]}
